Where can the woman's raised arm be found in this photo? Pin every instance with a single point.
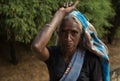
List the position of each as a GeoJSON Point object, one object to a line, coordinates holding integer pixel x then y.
{"type": "Point", "coordinates": [42, 39]}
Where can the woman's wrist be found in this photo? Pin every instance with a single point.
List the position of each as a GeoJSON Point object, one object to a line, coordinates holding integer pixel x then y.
{"type": "Point", "coordinates": [56, 20]}
{"type": "Point", "coordinates": [60, 13]}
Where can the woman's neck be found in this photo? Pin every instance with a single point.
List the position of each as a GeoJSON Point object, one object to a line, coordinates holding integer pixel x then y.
{"type": "Point", "coordinates": [67, 55]}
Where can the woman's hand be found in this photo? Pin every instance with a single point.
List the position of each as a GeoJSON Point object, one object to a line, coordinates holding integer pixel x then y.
{"type": "Point", "coordinates": [68, 7]}
{"type": "Point", "coordinates": [40, 42]}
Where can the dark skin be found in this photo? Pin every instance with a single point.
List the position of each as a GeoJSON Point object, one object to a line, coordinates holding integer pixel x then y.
{"type": "Point", "coordinates": [42, 39]}
{"type": "Point", "coordinates": [69, 37]}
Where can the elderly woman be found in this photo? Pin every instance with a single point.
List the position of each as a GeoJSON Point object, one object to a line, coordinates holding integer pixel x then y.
{"type": "Point", "coordinates": [79, 55]}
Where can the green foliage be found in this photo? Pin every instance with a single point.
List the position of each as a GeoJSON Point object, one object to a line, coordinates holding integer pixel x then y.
{"type": "Point", "coordinates": [27, 17]}
{"type": "Point", "coordinates": [24, 18]}
{"type": "Point", "coordinates": [98, 12]}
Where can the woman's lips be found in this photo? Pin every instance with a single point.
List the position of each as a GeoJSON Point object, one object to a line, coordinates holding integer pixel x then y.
{"type": "Point", "coordinates": [68, 45]}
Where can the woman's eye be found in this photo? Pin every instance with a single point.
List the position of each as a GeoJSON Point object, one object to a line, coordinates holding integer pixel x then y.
{"type": "Point", "coordinates": [74, 32]}
{"type": "Point", "coordinates": [62, 32]}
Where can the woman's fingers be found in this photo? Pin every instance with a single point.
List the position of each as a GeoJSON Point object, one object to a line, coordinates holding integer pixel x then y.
{"type": "Point", "coordinates": [70, 4]}
{"type": "Point", "coordinates": [67, 7]}
{"type": "Point", "coordinates": [76, 3]}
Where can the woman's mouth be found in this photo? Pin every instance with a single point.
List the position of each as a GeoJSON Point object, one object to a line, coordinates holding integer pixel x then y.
{"type": "Point", "coordinates": [69, 45]}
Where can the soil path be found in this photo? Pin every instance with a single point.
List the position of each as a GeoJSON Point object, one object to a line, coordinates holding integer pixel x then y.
{"type": "Point", "coordinates": [32, 69]}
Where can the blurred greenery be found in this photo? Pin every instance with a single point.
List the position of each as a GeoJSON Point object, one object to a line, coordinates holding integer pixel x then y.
{"type": "Point", "coordinates": [25, 18]}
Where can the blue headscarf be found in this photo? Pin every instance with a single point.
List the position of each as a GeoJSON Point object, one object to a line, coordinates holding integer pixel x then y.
{"type": "Point", "coordinates": [94, 44]}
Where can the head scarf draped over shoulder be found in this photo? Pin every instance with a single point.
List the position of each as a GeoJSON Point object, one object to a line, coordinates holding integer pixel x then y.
{"type": "Point", "coordinates": [93, 43]}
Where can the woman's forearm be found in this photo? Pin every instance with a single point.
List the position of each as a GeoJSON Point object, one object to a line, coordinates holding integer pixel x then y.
{"type": "Point", "coordinates": [42, 39]}
{"type": "Point", "coordinates": [44, 36]}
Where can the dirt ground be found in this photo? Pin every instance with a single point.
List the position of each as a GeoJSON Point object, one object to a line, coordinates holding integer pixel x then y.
{"type": "Point", "coordinates": [30, 68]}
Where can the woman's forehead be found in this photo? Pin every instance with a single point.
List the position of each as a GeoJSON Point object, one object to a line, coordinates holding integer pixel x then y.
{"type": "Point", "coordinates": [70, 23]}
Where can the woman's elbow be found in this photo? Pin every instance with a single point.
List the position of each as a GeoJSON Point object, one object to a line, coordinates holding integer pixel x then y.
{"type": "Point", "coordinates": [39, 52]}
{"type": "Point", "coordinates": [36, 48]}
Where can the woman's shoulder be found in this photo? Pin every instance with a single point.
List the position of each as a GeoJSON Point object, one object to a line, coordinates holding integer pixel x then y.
{"type": "Point", "coordinates": [53, 49]}
{"type": "Point", "coordinates": [55, 54]}
{"type": "Point", "coordinates": [91, 56]}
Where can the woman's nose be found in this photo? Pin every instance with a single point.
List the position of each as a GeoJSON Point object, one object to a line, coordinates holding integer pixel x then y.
{"type": "Point", "coordinates": [68, 37]}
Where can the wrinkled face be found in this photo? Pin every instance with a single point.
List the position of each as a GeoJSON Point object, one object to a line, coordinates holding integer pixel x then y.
{"type": "Point", "coordinates": [69, 35]}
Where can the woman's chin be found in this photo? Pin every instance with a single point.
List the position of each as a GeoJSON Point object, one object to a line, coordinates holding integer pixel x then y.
{"type": "Point", "coordinates": [70, 48]}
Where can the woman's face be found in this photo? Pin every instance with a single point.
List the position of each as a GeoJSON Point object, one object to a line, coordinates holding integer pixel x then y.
{"type": "Point", "coordinates": [69, 35]}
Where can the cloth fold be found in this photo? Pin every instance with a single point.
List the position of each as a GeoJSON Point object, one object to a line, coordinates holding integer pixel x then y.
{"type": "Point", "coordinates": [93, 43]}
{"type": "Point", "coordinates": [74, 68]}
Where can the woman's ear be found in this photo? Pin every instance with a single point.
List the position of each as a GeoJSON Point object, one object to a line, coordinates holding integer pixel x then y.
{"type": "Point", "coordinates": [81, 42]}
{"type": "Point", "coordinates": [82, 35]}
{"type": "Point", "coordinates": [57, 32]}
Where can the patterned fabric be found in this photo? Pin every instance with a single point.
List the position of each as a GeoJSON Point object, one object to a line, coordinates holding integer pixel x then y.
{"type": "Point", "coordinates": [93, 43]}
{"type": "Point", "coordinates": [74, 68]}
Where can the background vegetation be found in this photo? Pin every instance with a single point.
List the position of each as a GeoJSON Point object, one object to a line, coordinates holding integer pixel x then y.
{"type": "Point", "coordinates": [21, 20]}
